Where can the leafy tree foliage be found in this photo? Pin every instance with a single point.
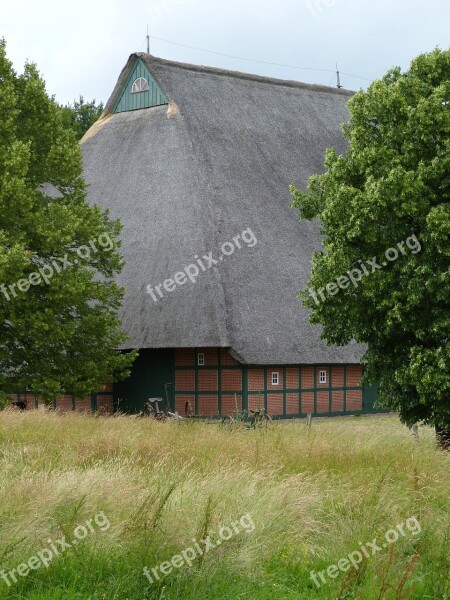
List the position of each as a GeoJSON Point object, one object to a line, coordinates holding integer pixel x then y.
{"type": "Point", "coordinates": [392, 183]}
{"type": "Point", "coordinates": [60, 334]}
{"type": "Point", "coordinates": [80, 115]}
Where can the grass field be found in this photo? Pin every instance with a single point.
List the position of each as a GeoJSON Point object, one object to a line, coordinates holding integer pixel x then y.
{"type": "Point", "coordinates": [139, 492]}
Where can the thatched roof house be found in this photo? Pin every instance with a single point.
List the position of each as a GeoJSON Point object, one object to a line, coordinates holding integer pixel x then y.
{"type": "Point", "coordinates": [197, 162]}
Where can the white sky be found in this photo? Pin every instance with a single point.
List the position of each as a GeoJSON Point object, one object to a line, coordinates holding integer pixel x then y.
{"type": "Point", "coordinates": [81, 46]}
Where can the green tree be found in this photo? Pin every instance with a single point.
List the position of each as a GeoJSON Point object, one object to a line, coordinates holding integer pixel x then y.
{"type": "Point", "coordinates": [81, 115]}
{"type": "Point", "coordinates": [59, 328]}
{"type": "Point", "coordinates": [392, 185]}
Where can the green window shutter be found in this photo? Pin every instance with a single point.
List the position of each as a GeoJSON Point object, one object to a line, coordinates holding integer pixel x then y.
{"type": "Point", "coordinates": [154, 96]}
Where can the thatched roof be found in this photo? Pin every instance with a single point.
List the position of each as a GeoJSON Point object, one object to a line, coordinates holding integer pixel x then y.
{"type": "Point", "coordinates": [187, 177]}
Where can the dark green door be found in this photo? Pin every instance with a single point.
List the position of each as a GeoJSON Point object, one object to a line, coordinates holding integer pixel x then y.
{"type": "Point", "coordinates": [152, 370]}
{"type": "Point", "coordinates": [370, 396]}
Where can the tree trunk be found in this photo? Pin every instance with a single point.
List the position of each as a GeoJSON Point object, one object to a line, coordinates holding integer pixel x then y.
{"type": "Point", "coordinates": [443, 437]}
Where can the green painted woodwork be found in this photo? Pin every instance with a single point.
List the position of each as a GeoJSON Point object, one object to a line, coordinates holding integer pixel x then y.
{"type": "Point", "coordinates": [218, 366]}
{"type": "Point", "coordinates": [219, 382]}
{"type": "Point", "coordinates": [244, 390]}
{"type": "Point", "coordinates": [315, 389]}
{"type": "Point", "coordinates": [345, 388]}
{"type": "Point", "coordinates": [151, 371]}
{"type": "Point", "coordinates": [196, 383]}
{"type": "Point", "coordinates": [155, 368]}
{"type": "Point", "coordinates": [370, 396]}
{"type": "Point", "coordinates": [127, 101]}
{"type": "Point", "coordinates": [265, 399]}
{"type": "Point", "coordinates": [330, 393]}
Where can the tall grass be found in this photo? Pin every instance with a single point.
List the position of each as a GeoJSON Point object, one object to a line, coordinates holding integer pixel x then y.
{"type": "Point", "coordinates": [314, 497]}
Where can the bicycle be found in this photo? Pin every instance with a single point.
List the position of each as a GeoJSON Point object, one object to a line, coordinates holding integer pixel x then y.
{"type": "Point", "coordinates": [256, 418]}
{"type": "Point", "coordinates": [153, 410]}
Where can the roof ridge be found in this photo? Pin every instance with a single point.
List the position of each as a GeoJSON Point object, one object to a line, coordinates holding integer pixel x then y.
{"type": "Point", "coordinates": [152, 60]}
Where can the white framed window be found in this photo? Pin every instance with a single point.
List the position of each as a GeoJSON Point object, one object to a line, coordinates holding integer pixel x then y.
{"type": "Point", "coordinates": [201, 359]}
{"type": "Point", "coordinates": [139, 85]}
{"type": "Point", "coordinates": [275, 378]}
{"type": "Point", "coordinates": [322, 376]}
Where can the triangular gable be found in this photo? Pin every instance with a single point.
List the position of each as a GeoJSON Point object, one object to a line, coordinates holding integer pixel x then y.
{"type": "Point", "coordinates": [127, 100]}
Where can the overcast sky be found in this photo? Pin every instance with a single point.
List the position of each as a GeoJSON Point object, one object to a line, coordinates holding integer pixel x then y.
{"type": "Point", "coordinates": [80, 47]}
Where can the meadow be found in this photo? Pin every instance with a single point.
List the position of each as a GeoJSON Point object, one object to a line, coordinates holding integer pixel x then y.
{"type": "Point", "coordinates": [283, 502]}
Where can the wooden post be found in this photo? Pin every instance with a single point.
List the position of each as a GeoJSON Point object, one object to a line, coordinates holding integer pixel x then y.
{"type": "Point", "coordinates": [415, 431]}
{"type": "Point", "coordinates": [308, 421]}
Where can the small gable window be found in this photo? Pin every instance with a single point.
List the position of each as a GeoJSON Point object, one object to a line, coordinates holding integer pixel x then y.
{"type": "Point", "coordinates": [139, 85]}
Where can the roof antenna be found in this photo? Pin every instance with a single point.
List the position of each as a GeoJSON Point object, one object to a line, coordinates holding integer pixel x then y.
{"type": "Point", "coordinates": [148, 42]}
{"type": "Point", "coordinates": [338, 78]}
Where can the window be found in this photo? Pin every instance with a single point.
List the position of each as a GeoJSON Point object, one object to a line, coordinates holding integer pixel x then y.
{"type": "Point", "coordinates": [322, 376]}
{"type": "Point", "coordinates": [139, 85]}
{"type": "Point", "coordinates": [200, 359]}
{"type": "Point", "coordinates": [275, 378]}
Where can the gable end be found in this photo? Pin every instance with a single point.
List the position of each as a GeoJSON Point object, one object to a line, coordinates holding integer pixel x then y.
{"type": "Point", "coordinates": [130, 98]}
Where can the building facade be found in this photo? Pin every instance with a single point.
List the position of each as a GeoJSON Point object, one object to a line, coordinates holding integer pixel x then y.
{"type": "Point", "coordinates": [215, 384]}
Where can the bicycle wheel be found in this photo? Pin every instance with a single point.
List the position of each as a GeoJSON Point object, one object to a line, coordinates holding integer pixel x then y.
{"type": "Point", "coordinates": [265, 420]}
